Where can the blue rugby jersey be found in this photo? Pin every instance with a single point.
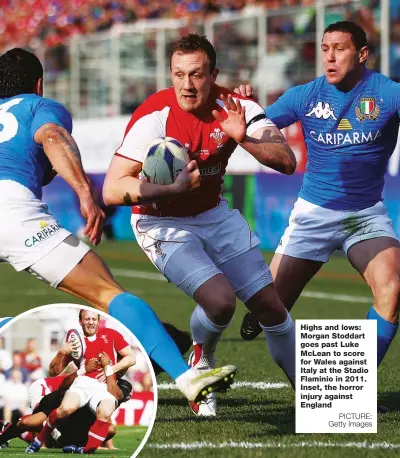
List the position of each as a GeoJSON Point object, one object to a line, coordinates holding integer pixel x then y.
{"type": "Point", "coordinates": [21, 158]}
{"type": "Point", "coordinates": [349, 137]}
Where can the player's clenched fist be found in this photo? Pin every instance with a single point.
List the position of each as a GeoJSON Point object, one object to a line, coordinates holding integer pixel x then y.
{"type": "Point", "coordinates": [104, 359]}
{"type": "Point", "coordinates": [92, 365]}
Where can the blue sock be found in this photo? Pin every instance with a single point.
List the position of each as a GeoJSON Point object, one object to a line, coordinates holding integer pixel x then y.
{"type": "Point", "coordinates": [386, 333]}
{"type": "Point", "coordinates": [139, 318]}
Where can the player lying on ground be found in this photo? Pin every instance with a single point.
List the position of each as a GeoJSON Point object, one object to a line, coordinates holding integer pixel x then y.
{"type": "Point", "coordinates": [75, 429]}
{"type": "Point", "coordinates": [35, 141]}
{"type": "Point", "coordinates": [88, 389]}
{"type": "Point", "coordinates": [350, 118]}
{"type": "Point", "coordinates": [207, 250]}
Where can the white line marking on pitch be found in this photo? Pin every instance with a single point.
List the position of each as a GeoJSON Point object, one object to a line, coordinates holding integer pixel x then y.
{"type": "Point", "coordinates": [311, 294]}
{"type": "Point", "coordinates": [254, 385]}
{"type": "Point", "coordinates": [266, 445]}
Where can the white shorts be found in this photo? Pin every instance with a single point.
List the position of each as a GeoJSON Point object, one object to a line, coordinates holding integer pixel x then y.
{"type": "Point", "coordinates": [37, 390]}
{"type": "Point", "coordinates": [315, 232]}
{"type": "Point", "coordinates": [30, 236]}
{"type": "Point", "coordinates": [191, 250]}
{"type": "Point", "coordinates": [91, 392]}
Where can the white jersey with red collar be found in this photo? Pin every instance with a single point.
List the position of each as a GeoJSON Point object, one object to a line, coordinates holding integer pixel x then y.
{"type": "Point", "coordinates": [105, 340]}
{"type": "Point", "coordinates": [161, 116]}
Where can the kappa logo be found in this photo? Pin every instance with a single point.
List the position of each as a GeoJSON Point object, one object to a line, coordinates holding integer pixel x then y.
{"type": "Point", "coordinates": [218, 136]}
{"type": "Point", "coordinates": [322, 110]}
{"type": "Point", "coordinates": [368, 110]}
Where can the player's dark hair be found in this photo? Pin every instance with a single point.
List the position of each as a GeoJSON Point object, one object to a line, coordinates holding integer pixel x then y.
{"type": "Point", "coordinates": [192, 43]}
{"type": "Point", "coordinates": [358, 35]}
{"type": "Point", "coordinates": [19, 72]}
{"type": "Point", "coordinates": [126, 388]}
{"type": "Point", "coordinates": [85, 310]}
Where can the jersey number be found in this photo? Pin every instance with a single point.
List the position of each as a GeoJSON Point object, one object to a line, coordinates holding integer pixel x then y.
{"type": "Point", "coordinates": [8, 121]}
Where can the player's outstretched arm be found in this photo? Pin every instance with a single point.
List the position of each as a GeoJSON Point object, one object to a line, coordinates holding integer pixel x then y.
{"type": "Point", "coordinates": [64, 155]}
{"type": "Point", "coordinates": [121, 187]}
{"type": "Point", "coordinates": [266, 144]}
{"type": "Point", "coordinates": [128, 359]}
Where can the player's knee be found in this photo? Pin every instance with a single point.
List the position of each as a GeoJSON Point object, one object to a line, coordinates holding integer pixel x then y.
{"type": "Point", "coordinates": [104, 415]}
{"type": "Point", "coordinates": [387, 292]}
{"type": "Point", "coordinates": [223, 308]}
{"type": "Point", "coordinates": [65, 411]}
{"type": "Point", "coordinates": [23, 423]}
{"type": "Point", "coordinates": [104, 412]}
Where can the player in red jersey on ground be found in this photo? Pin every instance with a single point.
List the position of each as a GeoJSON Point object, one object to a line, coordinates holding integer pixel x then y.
{"type": "Point", "coordinates": [207, 250]}
{"type": "Point", "coordinates": [90, 388]}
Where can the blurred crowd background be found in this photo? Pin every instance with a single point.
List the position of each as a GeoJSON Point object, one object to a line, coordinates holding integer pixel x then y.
{"type": "Point", "coordinates": [35, 22]}
{"type": "Point", "coordinates": [24, 359]}
{"type": "Point", "coordinates": [79, 78]}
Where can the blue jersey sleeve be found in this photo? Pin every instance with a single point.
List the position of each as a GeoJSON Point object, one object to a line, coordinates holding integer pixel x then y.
{"type": "Point", "coordinates": [286, 110]}
{"type": "Point", "coordinates": [394, 95]}
{"type": "Point", "coordinates": [50, 111]}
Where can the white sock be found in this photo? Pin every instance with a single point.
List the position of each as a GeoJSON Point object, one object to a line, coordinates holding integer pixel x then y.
{"type": "Point", "coordinates": [204, 331]}
{"type": "Point", "coordinates": [281, 344]}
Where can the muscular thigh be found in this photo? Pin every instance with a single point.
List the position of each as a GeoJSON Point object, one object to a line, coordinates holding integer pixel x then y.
{"type": "Point", "coordinates": [377, 260]}
{"type": "Point", "coordinates": [291, 275]}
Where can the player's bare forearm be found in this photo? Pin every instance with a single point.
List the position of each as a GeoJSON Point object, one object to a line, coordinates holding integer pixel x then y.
{"type": "Point", "coordinates": [64, 155]}
{"type": "Point", "coordinates": [121, 187]}
{"type": "Point", "coordinates": [58, 364]}
{"type": "Point", "coordinates": [125, 363]}
{"type": "Point", "coordinates": [129, 191]}
{"type": "Point", "coordinates": [270, 148]}
{"type": "Point", "coordinates": [68, 381]}
{"type": "Point", "coordinates": [113, 388]}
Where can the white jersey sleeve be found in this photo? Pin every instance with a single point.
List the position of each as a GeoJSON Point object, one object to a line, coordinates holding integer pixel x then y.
{"type": "Point", "coordinates": [255, 115]}
{"type": "Point", "coordinates": [143, 132]}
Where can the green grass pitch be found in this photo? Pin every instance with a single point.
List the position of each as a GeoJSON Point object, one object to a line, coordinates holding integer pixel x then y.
{"type": "Point", "coordinates": [127, 440]}
{"type": "Point", "coordinates": [251, 422]}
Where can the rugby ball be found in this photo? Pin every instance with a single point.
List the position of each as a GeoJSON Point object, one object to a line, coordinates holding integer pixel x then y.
{"type": "Point", "coordinates": [165, 158]}
{"type": "Point", "coordinates": [72, 336]}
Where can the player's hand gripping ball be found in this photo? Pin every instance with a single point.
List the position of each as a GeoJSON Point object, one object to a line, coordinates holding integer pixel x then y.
{"type": "Point", "coordinates": [73, 337]}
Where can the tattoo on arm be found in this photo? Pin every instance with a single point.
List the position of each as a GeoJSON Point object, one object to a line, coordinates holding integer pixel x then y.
{"type": "Point", "coordinates": [128, 199]}
{"type": "Point", "coordinates": [269, 137]}
{"type": "Point", "coordinates": [140, 200]}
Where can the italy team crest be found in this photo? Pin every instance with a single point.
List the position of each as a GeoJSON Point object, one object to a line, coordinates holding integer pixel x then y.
{"type": "Point", "coordinates": [367, 110]}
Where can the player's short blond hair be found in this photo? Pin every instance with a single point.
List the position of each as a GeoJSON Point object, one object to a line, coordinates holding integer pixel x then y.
{"type": "Point", "coordinates": [85, 310]}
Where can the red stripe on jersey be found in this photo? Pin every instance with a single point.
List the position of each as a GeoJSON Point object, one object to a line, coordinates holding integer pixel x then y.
{"type": "Point", "coordinates": [125, 157]}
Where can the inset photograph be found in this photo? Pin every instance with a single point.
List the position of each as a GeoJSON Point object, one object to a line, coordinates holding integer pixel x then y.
{"type": "Point", "coordinates": [73, 380]}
